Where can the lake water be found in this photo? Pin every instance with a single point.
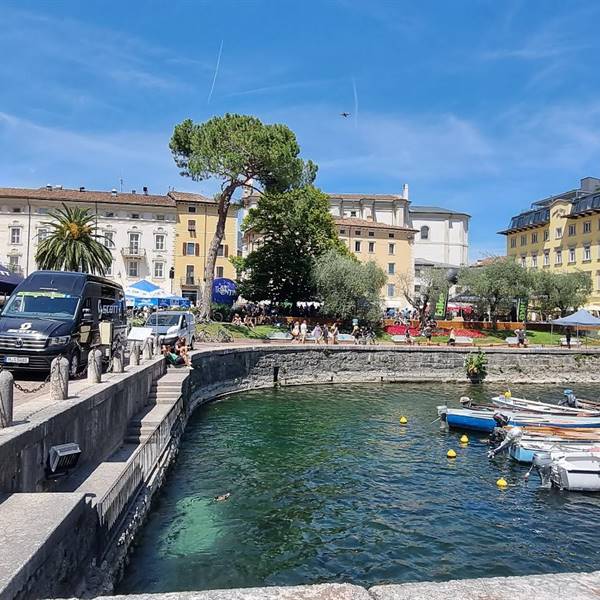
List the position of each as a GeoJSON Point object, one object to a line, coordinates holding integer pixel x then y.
{"type": "Point", "coordinates": [326, 486]}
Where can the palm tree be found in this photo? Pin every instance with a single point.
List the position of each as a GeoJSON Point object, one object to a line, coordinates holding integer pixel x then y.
{"type": "Point", "coordinates": [73, 244]}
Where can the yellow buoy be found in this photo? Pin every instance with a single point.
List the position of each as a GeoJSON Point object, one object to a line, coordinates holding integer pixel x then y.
{"type": "Point", "coordinates": [451, 453]}
{"type": "Point", "coordinates": [403, 420]}
{"type": "Point", "coordinates": [501, 483]}
{"type": "Point", "coordinates": [464, 439]}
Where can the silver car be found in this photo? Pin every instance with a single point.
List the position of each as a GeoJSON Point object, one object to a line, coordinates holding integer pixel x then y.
{"type": "Point", "coordinates": [170, 325]}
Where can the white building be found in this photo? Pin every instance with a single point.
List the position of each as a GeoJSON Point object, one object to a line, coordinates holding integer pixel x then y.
{"type": "Point", "coordinates": [139, 229]}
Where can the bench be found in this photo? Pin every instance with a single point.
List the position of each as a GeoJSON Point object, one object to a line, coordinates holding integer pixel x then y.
{"type": "Point", "coordinates": [345, 337]}
{"type": "Point", "coordinates": [513, 342]}
{"type": "Point", "coordinates": [462, 340]}
{"type": "Point", "coordinates": [399, 339]}
{"type": "Point", "coordinates": [574, 342]}
{"type": "Point", "coordinates": [279, 335]}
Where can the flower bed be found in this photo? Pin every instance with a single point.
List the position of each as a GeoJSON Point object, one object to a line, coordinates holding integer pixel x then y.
{"type": "Point", "coordinates": [414, 331]}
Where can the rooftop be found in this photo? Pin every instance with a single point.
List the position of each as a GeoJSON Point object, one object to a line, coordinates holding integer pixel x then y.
{"type": "Point", "coordinates": [434, 210]}
{"type": "Point", "coordinates": [190, 197]}
{"type": "Point", "coordinates": [352, 222]}
{"type": "Point", "coordinates": [367, 196]}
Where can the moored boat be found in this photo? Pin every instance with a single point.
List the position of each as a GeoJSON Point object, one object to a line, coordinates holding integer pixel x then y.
{"type": "Point", "coordinates": [573, 471]}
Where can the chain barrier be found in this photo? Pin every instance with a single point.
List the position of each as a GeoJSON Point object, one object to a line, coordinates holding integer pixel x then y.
{"type": "Point", "coordinates": [19, 387]}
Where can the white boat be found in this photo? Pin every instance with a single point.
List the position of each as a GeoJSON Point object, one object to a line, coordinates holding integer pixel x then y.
{"type": "Point", "coordinates": [573, 471]}
{"type": "Point", "coordinates": [534, 406]}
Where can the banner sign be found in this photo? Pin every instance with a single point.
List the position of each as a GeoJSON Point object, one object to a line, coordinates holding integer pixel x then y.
{"type": "Point", "coordinates": [522, 306]}
{"type": "Point", "coordinates": [441, 306]}
{"type": "Point", "coordinates": [224, 291]}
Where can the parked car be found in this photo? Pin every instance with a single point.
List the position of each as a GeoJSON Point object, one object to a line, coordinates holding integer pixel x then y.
{"type": "Point", "coordinates": [58, 312]}
{"type": "Point", "coordinates": [169, 325]}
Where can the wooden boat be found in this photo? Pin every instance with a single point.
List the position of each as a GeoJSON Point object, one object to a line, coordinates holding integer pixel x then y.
{"type": "Point", "coordinates": [573, 471]}
{"type": "Point", "coordinates": [534, 406]}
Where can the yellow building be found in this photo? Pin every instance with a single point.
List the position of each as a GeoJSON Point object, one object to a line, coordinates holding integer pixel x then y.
{"type": "Point", "coordinates": [561, 233]}
{"type": "Point", "coordinates": [194, 230]}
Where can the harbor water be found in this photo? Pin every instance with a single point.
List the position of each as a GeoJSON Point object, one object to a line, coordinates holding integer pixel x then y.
{"type": "Point", "coordinates": [326, 486]}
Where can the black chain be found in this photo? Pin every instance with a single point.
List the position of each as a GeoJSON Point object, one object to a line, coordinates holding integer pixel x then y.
{"type": "Point", "coordinates": [32, 390]}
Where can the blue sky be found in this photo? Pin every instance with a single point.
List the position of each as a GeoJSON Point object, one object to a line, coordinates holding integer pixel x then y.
{"type": "Point", "coordinates": [481, 106]}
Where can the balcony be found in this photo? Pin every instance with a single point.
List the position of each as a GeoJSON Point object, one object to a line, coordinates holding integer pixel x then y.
{"type": "Point", "coordinates": [133, 252]}
{"type": "Point", "coordinates": [16, 269]}
{"type": "Point", "coordinates": [189, 280]}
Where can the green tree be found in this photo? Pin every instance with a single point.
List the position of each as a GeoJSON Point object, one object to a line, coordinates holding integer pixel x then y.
{"type": "Point", "coordinates": [560, 291]}
{"type": "Point", "coordinates": [348, 288]}
{"type": "Point", "coordinates": [72, 243]}
{"type": "Point", "coordinates": [432, 282]}
{"type": "Point", "coordinates": [497, 284]}
{"type": "Point", "coordinates": [295, 227]}
{"type": "Point", "coordinates": [239, 151]}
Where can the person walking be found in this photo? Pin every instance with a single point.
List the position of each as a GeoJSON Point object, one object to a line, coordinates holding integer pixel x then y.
{"type": "Point", "coordinates": [326, 334]}
{"type": "Point", "coordinates": [317, 334]}
{"type": "Point", "coordinates": [452, 338]}
{"type": "Point", "coordinates": [303, 332]}
{"type": "Point", "coordinates": [355, 333]}
{"type": "Point", "coordinates": [296, 332]}
{"type": "Point", "coordinates": [427, 332]}
{"type": "Point", "coordinates": [334, 332]}
{"type": "Point", "coordinates": [568, 337]}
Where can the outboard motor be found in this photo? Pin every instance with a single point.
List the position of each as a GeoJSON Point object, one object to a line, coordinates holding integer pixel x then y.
{"type": "Point", "coordinates": [569, 399]}
{"type": "Point", "coordinates": [512, 435]}
{"type": "Point", "coordinates": [543, 465]}
{"type": "Point", "coordinates": [501, 420]}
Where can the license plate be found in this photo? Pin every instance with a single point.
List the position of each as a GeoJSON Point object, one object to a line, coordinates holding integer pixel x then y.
{"type": "Point", "coordinates": [17, 360]}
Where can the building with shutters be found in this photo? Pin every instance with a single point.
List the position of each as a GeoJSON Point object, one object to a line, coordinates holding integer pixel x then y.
{"type": "Point", "coordinates": [196, 223]}
{"type": "Point", "coordinates": [138, 228]}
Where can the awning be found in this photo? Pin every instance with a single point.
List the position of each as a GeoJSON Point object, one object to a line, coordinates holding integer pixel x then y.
{"type": "Point", "coordinates": [582, 318]}
{"type": "Point", "coordinates": [8, 280]}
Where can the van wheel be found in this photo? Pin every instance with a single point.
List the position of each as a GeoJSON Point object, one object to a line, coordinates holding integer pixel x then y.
{"type": "Point", "coordinates": [192, 343]}
{"type": "Point", "coordinates": [74, 365]}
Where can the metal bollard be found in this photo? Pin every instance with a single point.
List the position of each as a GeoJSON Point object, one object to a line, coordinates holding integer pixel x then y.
{"type": "Point", "coordinates": [6, 398]}
{"type": "Point", "coordinates": [59, 379]}
{"type": "Point", "coordinates": [117, 364]}
{"type": "Point", "coordinates": [147, 353]}
{"type": "Point", "coordinates": [134, 356]}
{"type": "Point", "coordinates": [94, 369]}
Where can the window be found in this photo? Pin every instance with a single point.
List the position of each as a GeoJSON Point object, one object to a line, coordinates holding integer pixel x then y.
{"type": "Point", "coordinates": [353, 213]}
{"type": "Point", "coordinates": [534, 261]}
{"type": "Point", "coordinates": [546, 235]}
{"type": "Point", "coordinates": [391, 268]}
{"type": "Point", "coordinates": [523, 240]}
{"type": "Point", "coordinates": [342, 231]}
{"type": "Point", "coordinates": [15, 235]}
{"type": "Point", "coordinates": [220, 250]}
{"type": "Point", "coordinates": [357, 246]}
{"type": "Point", "coordinates": [109, 214]}
{"type": "Point", "coordinates": [13, 263]}
{"type": "Point", "coordinates": [391, 235]}
{"type": "Point", "coordinates": [587, 253]}
{"type": "Point", "coordinates": [572, 229]}
{"type": "Point", "coordinates": [109, 239]}
{"type": "Point", "coordinates": [534, 238]}
{"type": "Point", "coordinates": [189, 249]}
{"type": "Point", "coordinates": [571, 255]}
{"type": "Point", "coordinates": [189, 274]}
{"type": "Point", "coordinates": [417, 289]}
{"type": "Point", "coordinates": [132, 268]}
{"type": "Point", "coordinates": [191, 209]}
{"type": "Point", "coordinates": [42, 211]}
{"type": "Point", "coordinates": [134, 243]}
{"type": "Point", "coordinates": [424, 232]}
{"type": "Point", "coordinates": [159, 241]}
{"type": "Point", "coordinates": [42, 234]}
{"type": "Point", "coordinates": [523, 261]}
{"type": "Point", "coordinates": [220, 271]}
{"type": "Point", "coordinates": [371, 247]}
{"type": "Point", "coordinates": [558, 233]}
{"type": "Point", "coordinates": [558, 257]}
{"type": "Point", "coordinates": [159, 270]}
{"type": "Point", "coordinates": [357, 232]}
{"type": "Point", "coordinates": [371, 234]}
{"type": "Point", "coordinates": [391, 290]}
{"type": "Point", "coordinates": [547, 258]}
{"type": "Point", "coordinates": [16, 209]}
{"type": "Point", "coordinates": [587, 227]}
{"type": "Point", "coordinates": [109, 270]}
{"type": "Point", "coordinates": [391, 248]}
{"type": "Point", "coordinates": [191, 224]}
{"type": "Point", "coordinates": [417, 272]}
{"type": "Point", "coordinates": [135, 215]}
{"type": "Point", "coordinates": [160, 217]}
{"type": "Point", "coordinates": [513, 242]}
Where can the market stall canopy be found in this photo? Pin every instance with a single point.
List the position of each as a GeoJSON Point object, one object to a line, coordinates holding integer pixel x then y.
{"type": "Point", "coordinates": [8, 280]}
{"type": "Point", "coordinates": [581, 318]}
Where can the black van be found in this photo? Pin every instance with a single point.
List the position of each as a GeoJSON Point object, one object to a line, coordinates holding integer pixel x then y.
{"type": "Point", "coordinates": [58, 312]}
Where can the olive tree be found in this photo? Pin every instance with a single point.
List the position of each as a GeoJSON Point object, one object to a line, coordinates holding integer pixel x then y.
{"type": "Point", "coordinates": [560, 291]}
{"type": "Point", "coordinates": [433, 281]}
{"type": "Point", "coordinates": [238, 151]}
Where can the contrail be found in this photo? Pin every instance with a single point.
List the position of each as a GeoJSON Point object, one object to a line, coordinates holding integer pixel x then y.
{"type": "Point", "coordinates": [355, 103]}
{"type": "Point", "coordinates": [212, 87]}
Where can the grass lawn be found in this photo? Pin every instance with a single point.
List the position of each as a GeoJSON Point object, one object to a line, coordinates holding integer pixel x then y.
{"type": "Point", "coordinates": [260, 332]}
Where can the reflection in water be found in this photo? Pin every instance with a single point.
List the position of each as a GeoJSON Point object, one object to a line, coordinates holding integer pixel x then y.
{"type": "Point", "coordinates": [327, 486]}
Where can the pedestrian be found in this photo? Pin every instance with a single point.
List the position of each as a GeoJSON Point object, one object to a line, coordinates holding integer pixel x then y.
{"type": "Point", "coordinates": [355, 332]}
{"type": "Point", "coordinates": [568, 337]}
{"type": "Point", "coordinates": [452, 338]}
{"type": "Point", "coordinates": [409, 340]}
{"type": "Point", "coordinates": [427, 332]}
{"type": "Point", "coordinates": [521, 337]}
{"type": "Point", "coordinates": [317, 333]}
{"type": "Point", "coordinates": [326, 334]}
{"type": "Point", "coordinates": [296, 332]}
{"type": "Point", "coordinates": [334, 332]}
{"type": "Point", "coordinates": [303, 332]}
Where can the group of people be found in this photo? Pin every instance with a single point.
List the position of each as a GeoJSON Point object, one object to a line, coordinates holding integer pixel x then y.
{"type": "Point", "coordinates": [247, 321]}
{"type": "Point", "coordinates": [320, 334]}
{"type": "Point", "coordinates": [177, 353]}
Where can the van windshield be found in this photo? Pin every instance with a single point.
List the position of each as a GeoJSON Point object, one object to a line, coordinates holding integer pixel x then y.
{"type": "Point", "coordinates": [41, 304]}
{"type": "Point", "coordinates": [162, 320]}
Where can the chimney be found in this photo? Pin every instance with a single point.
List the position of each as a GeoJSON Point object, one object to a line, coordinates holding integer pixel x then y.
{"type": "Point", "coordinates": [590, 184]}
{"type": "Point", "coordinates": [145, 190]}
{"type": "Point", "coordinates": [82, 189]}
{"type": "Point", "coordinates": [405, 191]}
{"type": "Point", "coordinates": [113, 192]}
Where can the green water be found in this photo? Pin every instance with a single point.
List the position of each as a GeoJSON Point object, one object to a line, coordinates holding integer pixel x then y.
{"type": "Point", "coordinates": [327, 487]}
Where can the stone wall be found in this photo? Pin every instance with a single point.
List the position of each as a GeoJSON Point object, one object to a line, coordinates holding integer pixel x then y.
{"type": "Point", "coordinates": [96, 419]}
{"type": "Point", "coordinates": [232, 369]}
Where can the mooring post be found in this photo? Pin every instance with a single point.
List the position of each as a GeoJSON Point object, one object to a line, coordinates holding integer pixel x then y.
{"type": "Point", "coordinates": [94, 368]}
{"type": "Point", "coordinates": [6, 398]}
{"type": "Point", "coordinates": [156, 345]}
{"type": "Point", "coordinates": [59, 379]}
{"type": "Point", "coordinates": [134, 355]}
{"type": "Point", "coordinates": [147, 353]}
{"type": "Point", "coordinates": [117, 364]}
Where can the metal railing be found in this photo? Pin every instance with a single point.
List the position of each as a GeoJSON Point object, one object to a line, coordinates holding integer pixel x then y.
{"type": "Point", "coordinates": [140, 465]}
{"type": "Point", "coordinates": [189, 280]}
{"type": "Point", "coordinates": [133, 251]}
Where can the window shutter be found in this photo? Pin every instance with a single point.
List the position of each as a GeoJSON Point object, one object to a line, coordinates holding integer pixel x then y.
{"type": "Point", "coordinates": [184, 249]}
{"type": "Point", "coordinates": [226, 250]}
{"type": "Point", "coordinates": [197, 249]}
